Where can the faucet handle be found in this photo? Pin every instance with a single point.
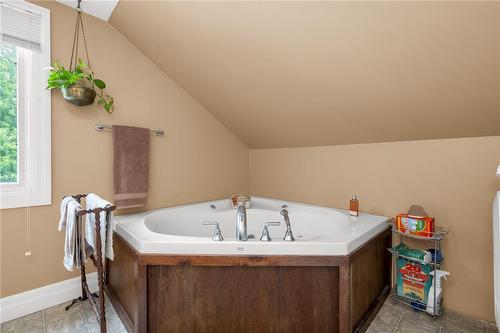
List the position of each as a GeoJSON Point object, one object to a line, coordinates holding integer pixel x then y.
{"type": "Point", "coordinates": [288, 236]}
{"type": "Point", "coordinates": [265, 233]}
{"type": "Point", "coordinates": [217, 233]}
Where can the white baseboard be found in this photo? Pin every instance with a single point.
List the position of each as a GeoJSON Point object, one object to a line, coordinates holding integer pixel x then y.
{"type": "Point", "coordinates": [22, 304]}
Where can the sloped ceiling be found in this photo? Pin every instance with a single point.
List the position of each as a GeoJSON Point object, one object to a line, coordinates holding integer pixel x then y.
{"type": "Point", "coordinates": [99, 8]}
{"type": "Point", "coordinates": [281, 74]}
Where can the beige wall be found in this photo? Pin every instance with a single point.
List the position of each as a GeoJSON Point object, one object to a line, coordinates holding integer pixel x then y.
{"type": "Point", "coordinates": [198, 159]}
{"type": "Point", "coordinates": [453, 179]}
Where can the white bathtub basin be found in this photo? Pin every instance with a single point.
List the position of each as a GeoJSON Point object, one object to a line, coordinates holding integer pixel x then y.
{"type": "Point", "coordinates": [179, 230]}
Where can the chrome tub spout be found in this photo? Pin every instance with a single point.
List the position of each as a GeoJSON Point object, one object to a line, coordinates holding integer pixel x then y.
{"type": "Point", "coordinates": [241, 223]}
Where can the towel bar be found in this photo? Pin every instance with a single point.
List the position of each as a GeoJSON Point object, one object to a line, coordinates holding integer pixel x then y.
{"type": "Point", "coordinates": [157, 132]}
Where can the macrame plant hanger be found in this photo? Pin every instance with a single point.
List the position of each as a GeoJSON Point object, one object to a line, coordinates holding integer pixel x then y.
{"type": "Point", "coordinates": [84, 93]}
{"type": "Point", "coordinates": [76, 40]}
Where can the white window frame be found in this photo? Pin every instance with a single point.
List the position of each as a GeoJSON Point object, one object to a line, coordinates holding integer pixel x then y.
{"type": "Point", "coordinates": [33, 187]}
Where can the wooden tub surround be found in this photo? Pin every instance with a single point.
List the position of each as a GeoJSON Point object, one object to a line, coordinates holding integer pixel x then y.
{"type": "Point", "coordinates": [171, 293]}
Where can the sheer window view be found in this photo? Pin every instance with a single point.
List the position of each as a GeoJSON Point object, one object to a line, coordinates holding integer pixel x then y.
{"type": "Point", "coordinates": [8, 113]}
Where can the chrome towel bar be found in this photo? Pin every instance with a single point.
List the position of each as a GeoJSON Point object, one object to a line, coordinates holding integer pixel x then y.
{"type": "Point", "coordinates": [157, 132]}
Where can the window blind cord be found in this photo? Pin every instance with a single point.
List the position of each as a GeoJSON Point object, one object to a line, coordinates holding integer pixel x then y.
{"type": "Point", "coordinates": [27, 253]}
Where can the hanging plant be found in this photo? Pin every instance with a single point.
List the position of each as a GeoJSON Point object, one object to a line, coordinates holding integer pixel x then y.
{"type": "Point", "coordinates": [78, 83]}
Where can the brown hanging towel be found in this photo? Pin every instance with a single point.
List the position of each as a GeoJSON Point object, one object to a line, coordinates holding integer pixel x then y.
{"type": "Point", "coordinates": [130, 166]}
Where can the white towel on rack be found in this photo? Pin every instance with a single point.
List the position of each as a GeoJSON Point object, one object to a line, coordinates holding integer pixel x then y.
{"type": "Point", "coordinates": [72, 240]}
{"type": "Point", "coordinates": [64, 209]}
{"type": "Point", "coordinates": [94, 201]}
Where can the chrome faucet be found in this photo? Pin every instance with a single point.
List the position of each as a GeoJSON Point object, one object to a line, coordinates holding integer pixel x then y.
{"type": "Point", "coordinates": [217, 233]}
{"type": "Point", "coordinates": [288, 234]}
{"type": "Point", "coordinates": [241, 223]}
{"type": "Point", "coordinates": [265, 233]}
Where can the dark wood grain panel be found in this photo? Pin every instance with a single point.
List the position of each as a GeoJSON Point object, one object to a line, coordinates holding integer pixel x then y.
{"type": "Point", "coordinates": [232, 260]}
{"type": "Point", "coordinates": [370, 274]}
{"type": "Point", "coordinates": [164, 293]}
{"type": "Point", "coordinates": [345, 296]}
{"type": "Point", "coordinates": [120, 310]}
{"type": "Point", "coordinates": [242, 299]}
{"type": "Point", "coordinates": [365, 322]}
{"type": "Point", "coordinates": [122, 279]}
{"type": "Point", "coordinates": [141, 311]}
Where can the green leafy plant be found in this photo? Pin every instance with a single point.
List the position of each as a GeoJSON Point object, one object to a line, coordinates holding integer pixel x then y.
{"type": "Point", "coordinates": [61, 77]}
{"type": "Point", "coordinates": [8, 114]}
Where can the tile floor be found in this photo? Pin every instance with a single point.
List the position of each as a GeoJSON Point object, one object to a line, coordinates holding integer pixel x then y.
{"type": "Point", "coordinates": [393, 317]}
{"type": "Point", "coordinates": [80, 318]}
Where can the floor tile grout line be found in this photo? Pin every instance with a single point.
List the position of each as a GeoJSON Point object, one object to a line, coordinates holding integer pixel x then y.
{"type": "Point", "coordinates": [43, 321]}
{"type": "Point", "coordinates": [399, 319]}
{"type": "Point", "coordinates": [84, 315]}
{"type": "Point", "coordinates": [87, 323]}
{"type": "Point", "coordinates": [441, 326]}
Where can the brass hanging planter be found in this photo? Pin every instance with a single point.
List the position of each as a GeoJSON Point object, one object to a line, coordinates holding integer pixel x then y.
{"type": "Point", "coordinates": [78, 95]}
{"type": "Point", "coordinates": [78, 84]}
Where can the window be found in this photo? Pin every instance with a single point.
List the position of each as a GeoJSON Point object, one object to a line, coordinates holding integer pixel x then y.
{"type": "Point", "coordinates": [25, 174]}
{"type": "Point", "coordinates": [8, 114]}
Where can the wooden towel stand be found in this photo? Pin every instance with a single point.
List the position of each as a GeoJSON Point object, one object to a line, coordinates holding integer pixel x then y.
{"type": "Point", "coordinates": [96, 260]}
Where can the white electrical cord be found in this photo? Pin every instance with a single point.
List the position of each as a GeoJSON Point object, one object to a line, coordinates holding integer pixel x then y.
{"type": "Point", "coordinates": [27, 253]}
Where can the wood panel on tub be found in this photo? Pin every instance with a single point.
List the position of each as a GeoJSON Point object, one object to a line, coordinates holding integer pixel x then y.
{"type": "Point", "coordinates": [163, 293]}
{"type": "Point", "coordinates": [242, 299]}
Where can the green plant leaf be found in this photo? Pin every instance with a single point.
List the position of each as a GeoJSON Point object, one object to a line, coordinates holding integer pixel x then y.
{"type": "Point", "coordinates": [60, 77]}
{"type": "Point", "coordinates": [100, 84]}
{"type": "Point", "coordinates": [109, 106]}
{"type": "Point", "coordinates": [81, 63]}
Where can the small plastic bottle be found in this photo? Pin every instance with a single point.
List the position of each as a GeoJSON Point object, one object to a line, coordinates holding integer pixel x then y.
{"type": "Point", "coordinates": [435, 299]}
{"type": "Point", "coordinates": [354, 206]}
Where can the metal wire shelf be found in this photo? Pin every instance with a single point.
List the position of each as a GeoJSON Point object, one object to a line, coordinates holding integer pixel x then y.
{"type": "Point", "coordinates": [414, 304]}
{"type": "Point", "coordinates": [399, 255]}
{"type": "Point", "coordinates": [435, 237]}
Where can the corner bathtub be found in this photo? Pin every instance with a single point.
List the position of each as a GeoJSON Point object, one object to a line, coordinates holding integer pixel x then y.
{"type": "Point", "coordinates": [169, 276]}
{"type": "Point", "coordinates": [179, 230]}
